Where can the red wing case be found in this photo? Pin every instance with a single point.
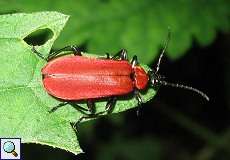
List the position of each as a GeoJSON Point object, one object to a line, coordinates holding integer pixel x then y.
{"type": "Point", "coordinates": [78, 77]}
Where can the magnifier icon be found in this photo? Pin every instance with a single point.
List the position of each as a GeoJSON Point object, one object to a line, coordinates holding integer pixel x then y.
{"type": "Point", "coordinates": [9, 147]}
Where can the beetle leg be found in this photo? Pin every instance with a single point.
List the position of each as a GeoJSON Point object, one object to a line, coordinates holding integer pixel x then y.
{"type": "Point", "coordinates": [91, 109]}
{"type": "Point", "coordinates": [107, 55]}
{"type": "Point", "coordinates": [38, 54]}
{"type": "Point", "coordinates": [108, 108]}
{"type": "Point", "coordinates": [110, 104]}
{"type": "Point", "coordinates": [76, 50]}
{"type": "Point", "coordinates": [58, 106]}
{"type": "Point", "coordinates": [122, 55]}
{"type": "Point", "coordinates": [73, 104]}
{"type": "Point", "coordinates": [134, 61]}
{"type": "Point", "coordinates": [73, 48]}
{"type": "Point", "coordinates": [79, 108]}
{"type": "Point", "coordinates": [76, 124]}
{"type": "Point", "coordinates": [139, 100]}
{"type": "Point", "coordinates": [91, 106]}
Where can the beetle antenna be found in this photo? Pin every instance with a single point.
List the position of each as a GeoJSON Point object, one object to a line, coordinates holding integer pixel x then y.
{"type": "Point", "coordinates": [184, 87]}
{"type": "Point", "coordinates": [164, 49]}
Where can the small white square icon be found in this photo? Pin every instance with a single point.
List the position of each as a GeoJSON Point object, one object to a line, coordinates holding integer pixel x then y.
{"type": "Point", "coordinates": [10, 148]}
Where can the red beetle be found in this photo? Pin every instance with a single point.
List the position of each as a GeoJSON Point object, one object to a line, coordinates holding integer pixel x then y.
{"type": "Point", "coordinates": [79, 77]}
{"type": "Point", "coordinates": [75, 77]}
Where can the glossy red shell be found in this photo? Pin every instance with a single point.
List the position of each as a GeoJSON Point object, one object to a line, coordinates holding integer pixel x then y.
{"type": "Point", "coordinates": [79, 77]}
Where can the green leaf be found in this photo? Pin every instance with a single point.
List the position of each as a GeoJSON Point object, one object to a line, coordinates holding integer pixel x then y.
{"type": "Point", "coordinates": [139, 26]}
{"type": "Point", "coordinates": [24, 104]}
{"type": "Point", "coordinates": [22, 113]}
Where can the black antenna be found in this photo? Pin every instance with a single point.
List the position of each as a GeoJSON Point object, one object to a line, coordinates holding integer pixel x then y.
{"type": "Point", "coordinates": [184, 87]}
{"type": "Point", "coordinates": [158, 78]}
{"type": "Point", "coordinates": [164, 49]}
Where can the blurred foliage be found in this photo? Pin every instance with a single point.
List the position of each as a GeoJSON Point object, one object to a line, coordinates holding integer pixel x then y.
{"type": "Point", "coordinates": [139, 26]}
{"type": "Point", "coordinates": [145, 148]}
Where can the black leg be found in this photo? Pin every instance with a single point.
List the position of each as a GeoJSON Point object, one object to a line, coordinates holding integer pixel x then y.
{"type": "Point", "coordinates": [107, 55]}
{"type": "Point", "coordinates": [58, 106]}
{"type": "Point", "coordinates": [139, 100]}
{"type": "Point", "coordinates": [134, 61]}
{"type": "Point", "coordinates": [73, 48]}
{"type": "Point", "coordinates": [79, 108]}
{"type": "Point", "coordinates": [91, 106]}
{"type": "Point", "coordinates": [76, 124]}
{"type": "Point", "coordinates": [110, 104]}
{"type": "Point", "coordinates": [73, 104]}
{"type": "Point", "coordinates": [122, 55]}
{"type": "Point", "coordinates": [108, 108]}
{"type": "Point", "coordinates": [38, 54]}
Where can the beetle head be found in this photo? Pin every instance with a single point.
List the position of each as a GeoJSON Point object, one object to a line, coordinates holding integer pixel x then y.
{"type": "Point", "coordinates": [155, 78]}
